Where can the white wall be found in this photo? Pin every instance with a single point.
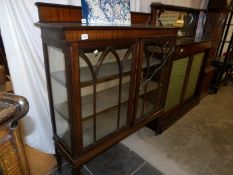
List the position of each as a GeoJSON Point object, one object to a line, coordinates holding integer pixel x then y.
{"type": "Point", "coordinates": [134, 4]}
{"type": "Point", "coordinates": [143, 5]}
{"type": "Point", "coordinates": [69, 2]}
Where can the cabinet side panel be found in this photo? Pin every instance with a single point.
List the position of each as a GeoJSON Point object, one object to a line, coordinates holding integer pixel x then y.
{"type": "Point", "coordinates": [58, 78]}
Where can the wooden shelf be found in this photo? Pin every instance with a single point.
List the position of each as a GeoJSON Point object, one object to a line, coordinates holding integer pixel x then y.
{"type": "Point", "coordinates": [107, 71]}
{"type": "Point", "coordinates": [101, 103]}
{"type": "Point", "coordinates": [106, 123]}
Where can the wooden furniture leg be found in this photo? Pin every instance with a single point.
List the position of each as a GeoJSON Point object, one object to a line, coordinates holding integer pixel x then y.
{"type": "Point", "coordinates": [76, 170]}
{"type": "Point", "coordinates": [59, 159]}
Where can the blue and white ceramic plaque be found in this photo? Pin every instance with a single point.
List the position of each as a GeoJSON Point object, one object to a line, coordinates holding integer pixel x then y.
{"type": "Point", "coordinates": [106, 11]}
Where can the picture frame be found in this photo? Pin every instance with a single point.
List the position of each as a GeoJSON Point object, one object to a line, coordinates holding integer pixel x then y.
{"type": "Point", "coordinates": [106, 11]}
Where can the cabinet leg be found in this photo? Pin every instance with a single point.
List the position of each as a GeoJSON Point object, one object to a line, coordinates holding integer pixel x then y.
{"type": "Point", "coordinates": [59, 159]}
{"type": "Point", "coordinates": [76, 171]}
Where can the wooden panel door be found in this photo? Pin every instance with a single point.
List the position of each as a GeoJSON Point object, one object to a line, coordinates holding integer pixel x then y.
{"type": "Point", "coordinates": [194, 75]}
{"type": "Point", "coordinates": [176, 83]}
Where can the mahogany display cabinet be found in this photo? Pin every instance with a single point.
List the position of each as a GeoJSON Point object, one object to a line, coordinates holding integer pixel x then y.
{"type": "Point", "coordinates": [104, 82]}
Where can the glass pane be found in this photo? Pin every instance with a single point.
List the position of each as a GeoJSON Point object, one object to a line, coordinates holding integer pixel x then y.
{"type": "Point", "coordinates": [184, 20]}
{"type": "Point", "coordinates": [176, 82]}
{"type": "Point", "coordinates": [85, 69]}
{"type": "Point", "coordinates": [124, 101]}
{"type": "Point", "coordinates": [87, 103]}
{"type": "Point", "coordinates": [111, 114]}
{"type": "Point", "coordinates": [123, 115]}
{"type": "Point", "coordinates": [59, 92]}
{"type": "Point", "coordinates": [151, 85]}
{"type": "Point", "coordinates": [107, 110]}
{"type": "Point", "coordinates": [171, 18]}
{"type": "Point", "coordinates": [105, 82]}
{"type": "Point", "coordinates": [91, 62]}
{"type": "Point", "coordinates": [108, 67]}
{"type": "Point", "coordinates": [87, 113]}
{"type": "Point", "coordinates": [88, 131]}
{"type": "Point", "coordinates": [110, 91]}
{"type": "Point", "coordinates": [106, 123]}
{"type": "Point", "coordinates": [194, 74]}
{"type": "Point", "coordinates": [149, 97]}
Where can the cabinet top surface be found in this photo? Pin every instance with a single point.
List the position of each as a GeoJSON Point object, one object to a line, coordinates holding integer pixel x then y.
{"type": "Point", "coordinates": [190, 41]}
{"type": "Point", "coordinates": [79, 26]}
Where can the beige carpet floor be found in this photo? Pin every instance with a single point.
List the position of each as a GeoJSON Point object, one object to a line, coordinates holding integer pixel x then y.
{"type": "Point", "coordinates": [201, 143]}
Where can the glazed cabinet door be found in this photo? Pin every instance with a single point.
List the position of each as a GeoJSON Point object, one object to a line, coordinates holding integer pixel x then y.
{"type": "Point", "coordinates": [151, 77]}
{"type": "Point", "coordinates": [105, 69]}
